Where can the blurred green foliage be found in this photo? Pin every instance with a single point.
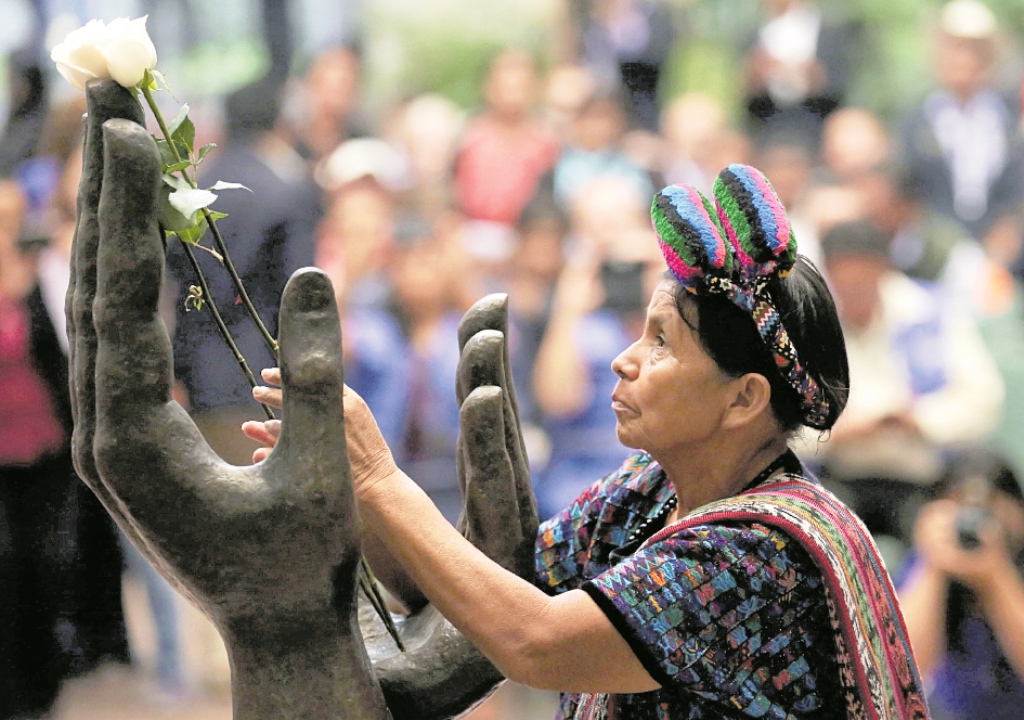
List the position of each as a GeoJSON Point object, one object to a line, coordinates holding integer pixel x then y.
{"type": "Point", "coordinates": [891, 58]}
{"type": "Point", "coordinates": [444, 46]}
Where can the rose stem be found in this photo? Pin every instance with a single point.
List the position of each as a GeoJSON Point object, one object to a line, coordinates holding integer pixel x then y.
{"type": "Point", "coordinates": [221, 326]}
{"type": "Point", "coordinates": [367, 579]}
{"type": "Point", "coordinates": [218, 239]}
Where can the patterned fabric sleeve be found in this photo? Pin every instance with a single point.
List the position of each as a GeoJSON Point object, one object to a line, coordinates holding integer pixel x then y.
{"type": "Point", "coordinates": [577, 539]}
{"type": "Point", "coordinates": [731, 616]}
{"type": "Point", "coordinates": [563, 543]}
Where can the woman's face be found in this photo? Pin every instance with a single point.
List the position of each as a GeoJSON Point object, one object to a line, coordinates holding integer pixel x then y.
{"type": "Point", "coordinates": [670, 393]}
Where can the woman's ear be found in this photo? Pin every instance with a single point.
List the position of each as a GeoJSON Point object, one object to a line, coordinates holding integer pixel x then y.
{"type": "Point", "coordinates": [751, 396]}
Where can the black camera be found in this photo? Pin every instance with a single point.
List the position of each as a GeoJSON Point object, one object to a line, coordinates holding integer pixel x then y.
{"type": "Point", "coordinates": [623, 285]}
{"type": "Point", "coordinates": [969, 520]}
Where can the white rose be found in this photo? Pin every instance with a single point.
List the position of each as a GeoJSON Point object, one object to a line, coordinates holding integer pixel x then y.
{"type": "Point", "coordinates": [128, 50]}
{"type": "Point", "coordinates": [79, 57]}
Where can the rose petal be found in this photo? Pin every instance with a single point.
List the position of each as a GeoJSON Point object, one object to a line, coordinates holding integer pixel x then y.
{"type": "Point", "coordinates": [128, 50]}
{"type": "Point", "coordinates": [74, 75]}
{"type": "Point", "coordinates": [128, 59]}
{"type": "Point", "coordinates": [78, 58]}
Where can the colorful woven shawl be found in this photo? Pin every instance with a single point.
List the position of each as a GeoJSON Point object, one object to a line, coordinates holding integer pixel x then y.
{"type": "Point", "coordinates": [877, 668]}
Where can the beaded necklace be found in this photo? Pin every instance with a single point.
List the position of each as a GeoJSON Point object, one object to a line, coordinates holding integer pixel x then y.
{"type": "Point", "coordinates": [657, 520]}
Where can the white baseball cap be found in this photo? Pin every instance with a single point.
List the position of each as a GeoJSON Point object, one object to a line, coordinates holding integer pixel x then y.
{"type": "Point", "coordinates": [968, 19]}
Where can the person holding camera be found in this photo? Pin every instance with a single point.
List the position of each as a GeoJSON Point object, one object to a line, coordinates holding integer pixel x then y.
{"type": "Point", "coordinates": [597, 308]}
{"type": "Point", "coordinates": [963, 592]}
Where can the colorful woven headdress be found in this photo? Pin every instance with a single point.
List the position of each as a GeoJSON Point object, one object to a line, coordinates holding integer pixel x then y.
{"type": "Point", "coordinates": [734, 247]}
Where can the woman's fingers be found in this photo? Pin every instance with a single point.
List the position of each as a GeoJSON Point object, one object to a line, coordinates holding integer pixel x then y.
{"type": "Point", "coordinates": [267, 396]}
{"type": "Point", "coordinates": [265, 432]}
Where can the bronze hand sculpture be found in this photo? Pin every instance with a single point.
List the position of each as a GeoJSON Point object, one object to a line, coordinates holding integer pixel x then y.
{"type": "Point", "coordinates": [269, 552]}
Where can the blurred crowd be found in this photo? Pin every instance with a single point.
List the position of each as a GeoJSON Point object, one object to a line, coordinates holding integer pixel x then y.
{"type": "Point", "coordinates": [542, 193]}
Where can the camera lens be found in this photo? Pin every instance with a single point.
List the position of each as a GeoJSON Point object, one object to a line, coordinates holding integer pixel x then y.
{"type": "Point", "coordinates": [968, 521]}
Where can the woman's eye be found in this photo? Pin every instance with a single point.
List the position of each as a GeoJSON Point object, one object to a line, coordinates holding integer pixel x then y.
{"type": "Point", "coordinates": [660, 340]}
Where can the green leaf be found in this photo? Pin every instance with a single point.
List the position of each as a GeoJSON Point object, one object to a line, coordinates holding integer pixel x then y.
{"type": "Point", "coordinates": [189, 201]}
{"type": "Point", "coordinates": [178, 167]}
{"type": "Point", "coordinates": [179, 118]}
{"type": "Point", "coordinates": [170, 217]}
{"type": "Point", "coordinates": [185, 134]}
{"type": "Point", "coordinates": [175, 182]}
{"type": "Point", "coordinates": [167, 157]}
{"type": "Point", "coordinates": [193, 234]}
{"type": "Point", "coordinates": [149, 80]}
{"type": "Point", "coordinates": [222, 185]}
{"type": "Point", "coordinates": [204, 151]}
{"type": "Point", "coordinates": [215, 216]}
{"type": "Point", "coordinates": [182, 130]}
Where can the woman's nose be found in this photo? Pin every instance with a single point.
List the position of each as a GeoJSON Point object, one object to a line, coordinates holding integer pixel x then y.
{"type": "Point", "coordinates": [624, 365]}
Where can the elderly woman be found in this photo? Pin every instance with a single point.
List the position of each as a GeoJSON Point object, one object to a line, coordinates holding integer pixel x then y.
{"type": "Point", "coordinates": [709, 576]}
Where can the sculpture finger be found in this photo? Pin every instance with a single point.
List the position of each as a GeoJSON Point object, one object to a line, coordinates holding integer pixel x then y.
{"type": "Point", "coordinates": [485, 361]}
{"type": "Point", "coordinates": [491, 501]}
{"type": "Point", "coordinates": [148, 452]}
{"type": "Point", "coordinates": [479, 365]}
{"type": "Point", "coordinates": [439, 676]}
{"type": "Point", "coordinates": [310, 453]}
{"type": "Point", "coordinates": [106, 99]}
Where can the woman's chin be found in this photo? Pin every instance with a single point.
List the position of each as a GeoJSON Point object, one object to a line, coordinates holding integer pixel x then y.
{"type": "Point", "coordinates": [626, 438]}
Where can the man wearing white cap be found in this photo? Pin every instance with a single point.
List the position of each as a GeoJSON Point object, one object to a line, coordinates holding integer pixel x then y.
{"type": "Point", "coordinates": [961, 145]}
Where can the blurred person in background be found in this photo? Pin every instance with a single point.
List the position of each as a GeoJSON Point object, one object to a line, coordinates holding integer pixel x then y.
{"type": "Point", "coordinates": [323, 109]}
{"type": "Point", "coordinates": [625, 44]}
{"type": "Point", "coordinates": [962, 145]}
{"type": "Point", "coordinates": [426, 130]}
{"type": "Point", "coordinates": [598, 304]}
{"type": "Point", "coordinates": [35, 477]}
{"type": "Point", "coordinates": [827, 204]}
{"type": "Point", "coordinates": [538, 260]}
{"type": "Point", "coordinates": [921, 239]}
{"type": "Point", "coordinates": [962, 592]}
{"type": "Point", "coordinates": [596, 151]}
{"type": "Point", "coordinates": [375, 357]}
{"type": "Point", "coordinates": [427, 303]}
{"type": "Point", "coordinates": [92, 624]}
{"type": "Point", "coordinates": [567, 86]}
{"type": "Point", "coordinates": [29, 101]}
{"type": "Point", "coordinates": [788, 164]}
{"type": "Point", "coordinates": [931, 246]}
{"type": "Point", "coordinates": [853, 142]}
{"type": "Point", "coordinates": [269, 232]}
{"type": "Point", "coordinates": [922, 382]}
{"type": "Point", "coordinates": [355, 239]}
{"type": "Point", "coordinates": [502, 155]}
{"type": "Point", "coordinates": [796, 70]}
{"type": "Point", "coordinates": [692, 125]}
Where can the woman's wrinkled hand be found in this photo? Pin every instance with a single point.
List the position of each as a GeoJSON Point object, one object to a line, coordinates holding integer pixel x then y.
{"type": "Point", "coordinates": [369, 456]}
